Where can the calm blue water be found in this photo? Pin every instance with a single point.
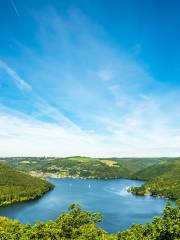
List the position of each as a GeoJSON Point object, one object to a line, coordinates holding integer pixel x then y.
{"type": "Point", "coordinates": [120, 208]}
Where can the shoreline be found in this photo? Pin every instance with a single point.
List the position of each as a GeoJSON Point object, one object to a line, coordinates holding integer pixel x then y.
{"type": "Point", "coordinates": [59, 176]}
{"type": "Point", "coordinates": [8, 203]}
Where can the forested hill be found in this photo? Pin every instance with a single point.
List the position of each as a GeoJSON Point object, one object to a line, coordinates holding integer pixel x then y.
{"type": "Point", "coordinates": [81, 167]}
{"type": "Point", "coordinates": [16, 186]}
{"type": "Point", "coordinates": [163, 180]}
{"type": "Point", "coordinates": [158, 169]}
{"type": "Point", "coordinates": [162, 174]}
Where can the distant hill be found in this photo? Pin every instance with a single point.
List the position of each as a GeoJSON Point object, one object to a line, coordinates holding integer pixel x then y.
{"type": "Point", "coordinates": [164, 180]}
{"type": "Point", "coordinates": [83, 167]}
{"type": "Point", "coordinates": [162, 174]}
{"type": "Point", "coordinates": [157, 169]}
{"type": "Point", "coordinates": [16, 186]}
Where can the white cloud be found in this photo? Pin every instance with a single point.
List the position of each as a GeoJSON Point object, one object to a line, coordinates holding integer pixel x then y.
{"type": "Point", "coordinates": [14, 7]}
{"type": "Point", "coordinates": [105, 74]}
{"type": "Point", "coordinates": [21, 135]}
{"type": "Point", "coordinates": [131, 123]}
{"type": "Point", "coordinates": [21, 84]}
{"type": "Point", "coordinates": [146, 129]}
{"type": "Point", "coordinates": [44, 108]}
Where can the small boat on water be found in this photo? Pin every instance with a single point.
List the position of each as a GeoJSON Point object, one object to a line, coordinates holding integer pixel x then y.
{"type": "Point", "coordinates": [89, 185]}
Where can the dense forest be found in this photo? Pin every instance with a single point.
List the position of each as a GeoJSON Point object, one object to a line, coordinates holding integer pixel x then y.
{"type": "Point", "coordinates": [161, 174]}
{"type": "Point", "coordinates": [163, 180]}
{"type": "Point", "coordinates": [82, 225]}
{"type": "Point", "coordinates": [16, 186]}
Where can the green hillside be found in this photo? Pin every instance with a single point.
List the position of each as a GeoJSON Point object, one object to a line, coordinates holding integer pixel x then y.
{"type": "Point", "coordinates": [162, 174]}
{"type": "Point", "coordinates": [164, 180]}
{"type": "Point", "coordinates": [157, 169]}
{"type": "Point", "coordinates": [16, 186]}
{"type": "Point", "coordinates": [83, 167]}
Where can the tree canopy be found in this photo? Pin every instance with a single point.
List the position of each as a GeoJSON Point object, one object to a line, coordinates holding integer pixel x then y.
{"type": "Point", "coordinates": [82, 225]}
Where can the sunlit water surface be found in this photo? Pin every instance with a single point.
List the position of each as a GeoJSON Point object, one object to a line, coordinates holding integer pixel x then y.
{"type": "Point", "coordinates": [109, 197]}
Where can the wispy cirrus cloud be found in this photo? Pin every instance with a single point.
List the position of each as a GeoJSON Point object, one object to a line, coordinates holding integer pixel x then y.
{"type": "Point", "coordinates": [99, 99]}
{"type": "Point", "coordinates": [39, 138]}
{"type": "Point", "coordinates": [21, 84]}
{"type": "Point", "coordinates": [14, 7]}
{"type": "Point", "coordinates": [26, 136]}
{"type": "Point", "coordinates": [105, 74]}
{"type": "Point", "coordinates": [43, 108]}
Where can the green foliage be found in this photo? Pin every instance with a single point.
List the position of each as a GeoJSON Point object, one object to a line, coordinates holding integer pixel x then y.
{"type": "Point", "coordinates": [16, 186]}
{"type": "Point", "coordinates": [164, 180]}
{"type": "Point", "coordinates": [82, 167]}
{"type": "Point", "coordinates": [76, 224]}
{"type": "Point", "coordinates": [81, 225]}
{"type": "Point", "coordinates": [162, 174]}
{"type": "Point", "coordinates": [166, 227]}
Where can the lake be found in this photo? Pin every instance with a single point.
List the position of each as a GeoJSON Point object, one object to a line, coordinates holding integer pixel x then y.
{"type": "Point", "coordinates": [109, 197]}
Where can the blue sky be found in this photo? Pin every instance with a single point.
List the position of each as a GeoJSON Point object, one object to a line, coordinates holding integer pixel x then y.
{"type": "Point", "coordinates": [94, 78]}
